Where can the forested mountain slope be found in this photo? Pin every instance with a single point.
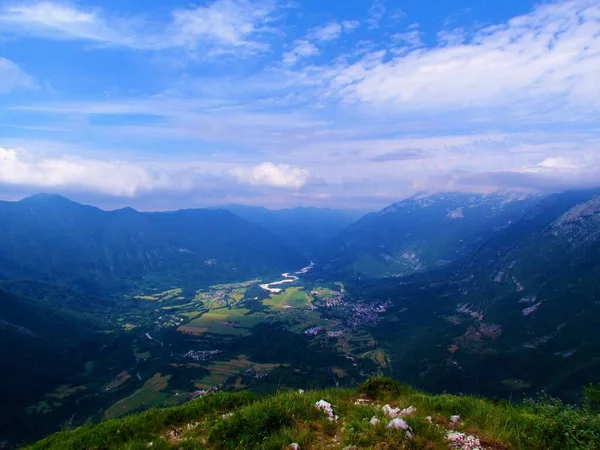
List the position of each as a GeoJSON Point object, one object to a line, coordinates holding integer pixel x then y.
{"type": "Point", "coordinates": [520, 314]}
{"type": "Point", "coordinates": [53, 239]}
{"type": "Point", "coordinates": [305, 229]}
{"type": "Point", "coordinates": [421, 233]}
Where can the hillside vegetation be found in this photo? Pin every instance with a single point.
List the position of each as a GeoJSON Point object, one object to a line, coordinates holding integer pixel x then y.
{"type": "Point", "coordinates": [514, 317]}
{"type": "Point", "coordinates": [380, 414]}
{"type": "Point", "coordinates": [53, 239]}
{"type": "Point", "coordinates": [306, 230]}
{"type": "Point", "coordinates": [421, 233]}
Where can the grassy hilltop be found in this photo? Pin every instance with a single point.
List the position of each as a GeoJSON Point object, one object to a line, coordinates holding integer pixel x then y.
{"type": "Point", "coordinates": [246, 421]}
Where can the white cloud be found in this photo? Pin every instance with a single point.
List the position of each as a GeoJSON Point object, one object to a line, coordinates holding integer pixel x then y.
{"type": "Point", "coordinates": [544, 60]}
{"type": "Point", "coordinates": [229, 23]}
{"type": "Point", "coordinates": [555, 163]}
{"type": "Point", "coordinates": [306, 47]}
{"type": "Point", "coordinates": [387, 117]}
{"type": "Point", "coordinates": [220, 26]}
{"type": "Point", "coordinates": [332, 30]}
{"type": "Point", "coordinates": [329, 32]}
{"type": "Point", "coordinates": [12, 77]}
{"type": "Point", "coordinates": [376, 13]}
{"type": "Point", "coordinates": [118, 178]}
{"type": "Point", "coordinates": [411, 38]}
{"type": "Point", "coordinates": [269, 174]}
{"type": "Point", "coordinates": [349, 25]}
{"type": "Point", "coordinates": [456, 36]}
{"type": "Point", "coordinates": [302, 49]}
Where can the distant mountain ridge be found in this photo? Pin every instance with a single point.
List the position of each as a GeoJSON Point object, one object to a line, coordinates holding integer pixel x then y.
{"type": "Point", "coordinates": [422, 232]}
{"type": "Point", "coordinates": [51, 238]}
{"type": "Point", "coordinates": [307, 229]}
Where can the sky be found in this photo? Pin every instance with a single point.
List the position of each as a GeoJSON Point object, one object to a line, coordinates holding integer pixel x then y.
{"type": "Point", "coordinates": [166, 104]}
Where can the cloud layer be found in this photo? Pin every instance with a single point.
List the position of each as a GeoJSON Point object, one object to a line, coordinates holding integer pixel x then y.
{"type": "Point", "coordinates": [221, 26]}
{"type": "Point", "coordinates": [12, 77]}
{"type": "Point", "coordinates": [269, 174]}
{"type": "Point", "coordinates": [264, 102]}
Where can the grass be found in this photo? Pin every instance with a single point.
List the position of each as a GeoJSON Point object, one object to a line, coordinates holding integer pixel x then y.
{"type": "Point", "coordinates": [221, 371]}
{"type": "Point", "coordinates": [228, 421]}
{"type": "Point", "coordinates": [162, 296]}
{"type": "Point", "coordinates": [221, 321]}
{"type": "Point", "coordinates": [324, 292]}
{"type": "Point", "coordinates": [150, 394]}
{"type": "Point", "coordinates": [293, 297]}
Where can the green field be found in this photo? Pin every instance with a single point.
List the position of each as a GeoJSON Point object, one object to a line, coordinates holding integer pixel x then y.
{"type": "Point", "coordinates": [293, 297]}
{"type": "Point", "coordinates": [324, 292]}
{"type": "Point", "coordinates": [221, 371]}
{"type": "Point", "coordinates": [223, 321]}
{"type": "Point", "coordinates": [171, 294]}
{"type": "Point", "coordinates": [151, 394]}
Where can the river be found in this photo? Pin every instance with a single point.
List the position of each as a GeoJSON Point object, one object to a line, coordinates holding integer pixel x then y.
{"type": "Point", "coordinates": [287, 278]}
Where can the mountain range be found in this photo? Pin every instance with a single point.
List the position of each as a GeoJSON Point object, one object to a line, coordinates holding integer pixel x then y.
{"type": "Point", "coordinates": [495, 295]}
{"type": "Point", "coordinates": [519, 312]}
{"type": "Point", "coordinates": [305, 229]}
{"type": "Point", "coordinates": [422, 232]}
{"type": "Point", "coordinates": [50, 238]}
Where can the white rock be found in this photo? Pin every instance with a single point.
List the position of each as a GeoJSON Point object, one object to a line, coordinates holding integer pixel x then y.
{"type": "Point", "coordinates": [462, 441]}
{"type": "Point", "coordinates": [389, 411]}
{"type": "Point", "coordinates": [300, 391]}
{"type": "Point", "coordinates": [397, 412]}
{"type": "Point", "coordinates": [429, 419]}
{"type": "Point", "coordinates": [454, 419]}
{"type": "Point", "coordinates": [454, 436]}
{"type": "Point", "coordinates": [327, 408]}
{"type": "Point", "coordinates": [374, 421]}
{"type": "Point", "coordinates": [408, 411]}
{"type": "Point", "coordinates": [409, 435]}
{"type": "Point", "coordinates": [294, 446]}
{"type": "Point", "coordinates": [398, 424]}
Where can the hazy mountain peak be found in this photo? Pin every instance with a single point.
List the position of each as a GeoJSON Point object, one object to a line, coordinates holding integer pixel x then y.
{"type": "Point", "coordinates": [455, 200]}
{"type": "Point", "coordinates": [47, 198]}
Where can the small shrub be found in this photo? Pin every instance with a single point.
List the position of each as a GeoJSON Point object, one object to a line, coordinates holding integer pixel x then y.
{"type": "Point", "coordinates": [591, 395]}
{"type": "Point", "coordinates": [381, 388]}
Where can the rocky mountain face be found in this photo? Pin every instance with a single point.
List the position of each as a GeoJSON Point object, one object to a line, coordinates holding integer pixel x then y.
{"type": "Point", "coordinates": [518, 315]}
{"type": "Point", "coordinates": [50, 238]}
{"type": "Point", "coordinates": [422, 232]}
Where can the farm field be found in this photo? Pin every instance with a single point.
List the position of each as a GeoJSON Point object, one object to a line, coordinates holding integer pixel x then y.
{"type": "Point", "coordinates": [221, 371]}
{"type": "Point", "coordinates": [223, 321]}
{"type": "Point", "coordinates": [151, 394]}
{"type": "Point", "coordinates": [226, 337]}
{"type": "Point", "coordinates": [292, 297]}
{"type": "Point", "coordinates": [171, 294]}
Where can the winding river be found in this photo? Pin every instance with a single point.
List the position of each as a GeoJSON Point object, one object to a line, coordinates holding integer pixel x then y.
{"type": "Point", "coordinates": [287, 278]}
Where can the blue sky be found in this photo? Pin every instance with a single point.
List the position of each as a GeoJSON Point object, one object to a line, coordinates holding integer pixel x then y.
{"type": "Point", "coordinates": [168, 104]}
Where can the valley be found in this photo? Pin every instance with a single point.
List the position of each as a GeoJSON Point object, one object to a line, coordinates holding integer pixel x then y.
{"type": "Point", "coordinates": [232, 336]}
{"type": "Point", "coordinates": [198, 310]}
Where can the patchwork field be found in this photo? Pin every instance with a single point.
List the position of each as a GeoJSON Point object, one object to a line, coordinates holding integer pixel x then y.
{"type": "Point", "coordinates": [293, 297]}
{"type": "Point", "coordinates": [149, 395]}
{"type": "Point", "coordinates": [171, 294]}
{"type": "Point", "coordinates": [221, 371]}
{"type": "Point", "coordinates": [324, 292]}
{"type": "Point", "coordinates": [223, 321]}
